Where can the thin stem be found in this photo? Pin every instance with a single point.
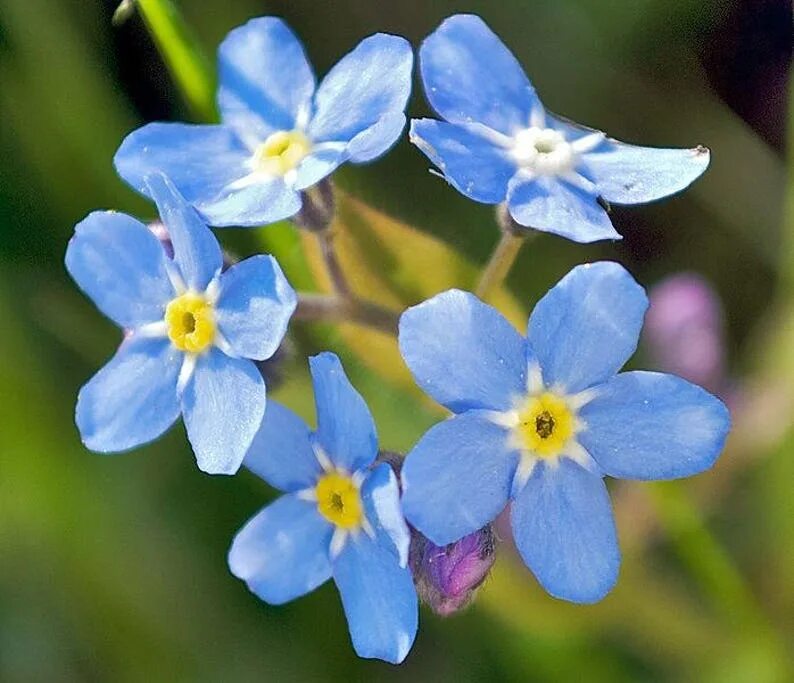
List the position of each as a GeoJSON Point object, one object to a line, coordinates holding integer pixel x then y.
{"type": "Point", "coordinates": [339, 281]}
{"type": "Point", "coordinates": [332, 308]}
{"type": "Point", "coordinates": [498, 266]}
{"type": "Point", "coordinates": [186, 61]}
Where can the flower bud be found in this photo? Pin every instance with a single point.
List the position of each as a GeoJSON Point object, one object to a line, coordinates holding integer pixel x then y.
{"type": "Point", "coordinates": [447, 577]}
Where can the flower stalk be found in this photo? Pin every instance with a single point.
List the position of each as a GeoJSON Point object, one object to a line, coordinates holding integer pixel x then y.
{"type": "Point", "coordinates": [317, 216]}
{"type": "Point", "coordinates": [504, 255]}
{"type": "Point", "coordinates": [342, 305]}
{"type": "Point", "coordinates": [333, 308]}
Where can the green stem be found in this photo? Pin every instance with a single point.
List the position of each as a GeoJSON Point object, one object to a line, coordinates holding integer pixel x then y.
{"type": "Point", "coordinates": [504, 254]}
{"type": "Point", "coordinates": [500, 263]}
{"type": "Point", "coordinates": [187, 63]}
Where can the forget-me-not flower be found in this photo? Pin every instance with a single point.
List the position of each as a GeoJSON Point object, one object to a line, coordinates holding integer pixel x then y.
{"type": "Point", "coordinates": [540, 420]}
{"type": "Point", "coordinates": [498, 143]}
{"type": "Point", "coordinates": [190, 332]}
{"type": "Point", "coordinates": [280, 133]}
{"type": "Point", "coordinates": [340, 517]}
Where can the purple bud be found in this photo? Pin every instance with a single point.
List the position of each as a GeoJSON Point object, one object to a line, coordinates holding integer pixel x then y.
{"type": "Point", "coordinates": [684, 330]}
{"type": "Point", "coordinates": [447, 577]}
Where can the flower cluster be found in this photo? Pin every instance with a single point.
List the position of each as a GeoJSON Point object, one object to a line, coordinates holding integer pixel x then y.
{"type": "Point", "coordinates": [537, 422]}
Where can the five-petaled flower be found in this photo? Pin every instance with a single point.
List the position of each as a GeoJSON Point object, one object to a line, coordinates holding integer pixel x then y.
{"type": "Point", "coordinates": [280, 134]}
{"type": "Point", "coordinates": [191, 332]}
{"type": "Point", "coordinates": [498, 143]}
{"type": "Point", "coordinates": [541, 420]}
{"type": "Point", "coordinates": [340, 517]}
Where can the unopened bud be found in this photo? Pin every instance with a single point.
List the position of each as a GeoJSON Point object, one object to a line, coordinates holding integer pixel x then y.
{"type": "Point", "coordinates": [447, 578]}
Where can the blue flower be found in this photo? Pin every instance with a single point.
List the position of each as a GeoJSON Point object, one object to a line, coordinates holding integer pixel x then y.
{"type": "Point", "coordinates": [340, 517]}
{"type": "Point", "coordinates": [280, 134]}
{"type": "Point", "coordinates": [541, 420]}
{"type": "Point", "coordinates": [189, 333]}
{"type": "Point", "coordinates": [499, 144]}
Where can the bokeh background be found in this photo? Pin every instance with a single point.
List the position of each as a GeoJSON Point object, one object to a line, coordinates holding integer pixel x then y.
{"type": "Point", "coordinates": [113, 568]}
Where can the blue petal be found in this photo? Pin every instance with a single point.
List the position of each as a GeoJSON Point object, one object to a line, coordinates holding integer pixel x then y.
{"type": "Point", "coordinates": [470, 76]}
{"type": "Point", "coordinates": [564, 530]}
{"type": "Point", "coordinates": [380, 493]}
{"type": "Point", "coordinates": [646, 425]}
{"type": "Point", "coordinates": [571, 130]}
{"type": "Point", "coordinates": [258, 203]}
{"type": "Point", "coordinates": [281, 452]}
{"type": "Point", "coordinates": [196, 251]}
{"type": "Point", "coordinates": [318, 165]}
{"type": "Point", "coordinates": [265, 78]}
{"type": "Point", "coordinates": [255, 306]}
{"type": "Point", "coordinates": [551, 204]}
{"type": "Point", "coordinates": [345, 428]}
{"type": "Point", "coordinates": [458, 477]}
{"type": "Point", "coordinates": [627, 174]}
{"type": "Point", "coordinates": [372, 81]}
{"type": "Point", "coordinates": [375, 140]}
{"type": "Point", "coordinates": [379, 599]}
{"type": "Point", "coordinates": [121, 266]}
{"type": "Point", "coordinates": [223, 405]}
{"type": "Point", "coordinates": [131, 400]}
{"type": "Point", "coordinates": [463, 352]}
{"type": "Point", "coordinates": [282, 552]}
{"type": "Point", "coordinates": [587, 326]}
{"type": "Point", "coordinates": [200, 160]}
{"type": "Point", "coordinates": [472, 164]}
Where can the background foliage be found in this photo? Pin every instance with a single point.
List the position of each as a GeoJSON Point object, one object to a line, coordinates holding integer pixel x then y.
{"type": "Point", "coordinates": [113, 568]}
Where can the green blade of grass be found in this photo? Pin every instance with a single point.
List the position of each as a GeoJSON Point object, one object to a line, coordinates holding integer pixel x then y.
{"type": "Point", "coordinates": [188, 64]}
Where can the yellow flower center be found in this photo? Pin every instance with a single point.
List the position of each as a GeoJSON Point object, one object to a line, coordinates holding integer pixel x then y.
{"type": "Point", "coordinates": [282, 152]}
{"type": "Point", "coordinates": [339, 501]}
{"type": "Point", "coordinates": [546, 424]}
{"type": "Point", "coordinates": [191, 322]}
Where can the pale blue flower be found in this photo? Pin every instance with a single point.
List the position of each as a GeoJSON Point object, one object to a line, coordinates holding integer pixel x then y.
{"type": "Point", "coordinates": [540, 420]}
{"type": "Point", "coordinates": [191, 332]}
{"type": "Point", "coordinates": [280, 133]}
{"type": "Point", "coordinates": [340, 517]}
{"type": "Point", "coordinates": [498, 143]}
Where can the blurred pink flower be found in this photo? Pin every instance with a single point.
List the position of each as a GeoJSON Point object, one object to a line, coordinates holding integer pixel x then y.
{"type": "Point", "coordinates": [684, 331]}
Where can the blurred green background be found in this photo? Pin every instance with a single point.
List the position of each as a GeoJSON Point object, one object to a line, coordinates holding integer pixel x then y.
{"type": "Point", "coordinates": [113, 568]}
